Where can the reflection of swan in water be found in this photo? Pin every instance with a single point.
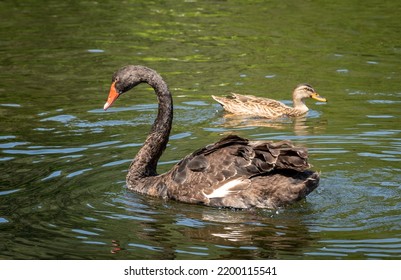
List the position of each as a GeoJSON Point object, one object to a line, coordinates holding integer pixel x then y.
{"type": "Point", "coordinates": [264, 234]}
{"type": "Point", "coordinates": [268, 108]}
{"type": "Point", "coordinates": [233, 172]}
{"type": "Point", "coordinates": [171, 230]}
{"type": "Point", "coordinates": [115, 247]}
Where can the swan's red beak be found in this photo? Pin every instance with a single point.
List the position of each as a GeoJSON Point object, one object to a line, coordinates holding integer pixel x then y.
{"type": "Point", "coordinates": [113, 95]}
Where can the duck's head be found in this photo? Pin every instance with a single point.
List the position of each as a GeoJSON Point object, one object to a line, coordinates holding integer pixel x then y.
{"type": "Point", "coordinates": [303, 91]}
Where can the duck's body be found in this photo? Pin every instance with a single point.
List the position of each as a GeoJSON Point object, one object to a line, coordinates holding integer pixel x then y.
{"type": "Point", "coordinates": [269, 108]}
{"type": "Point", "coordinates": [233, 172]}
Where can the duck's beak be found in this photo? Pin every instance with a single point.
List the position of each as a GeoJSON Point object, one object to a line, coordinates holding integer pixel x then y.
{"type": "Point", "coordinates": [316, 96]}
{"type": "Point", "coordinates": [113, 95]}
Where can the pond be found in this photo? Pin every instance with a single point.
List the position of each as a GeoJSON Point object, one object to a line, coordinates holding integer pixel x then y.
{"type": "Point", "coordinates": [63, 159]}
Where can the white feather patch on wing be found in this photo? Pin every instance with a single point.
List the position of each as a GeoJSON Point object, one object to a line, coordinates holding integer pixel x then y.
{"type": "Point", "coordinates": [224, 190]}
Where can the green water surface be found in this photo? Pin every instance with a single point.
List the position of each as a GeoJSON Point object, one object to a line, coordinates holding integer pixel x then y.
{"type": "Point", "coordinates": [63, 160]}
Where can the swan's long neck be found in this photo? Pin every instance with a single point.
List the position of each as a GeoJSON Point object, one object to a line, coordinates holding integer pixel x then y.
{"type": "Point", "coordinates": [145, 162]}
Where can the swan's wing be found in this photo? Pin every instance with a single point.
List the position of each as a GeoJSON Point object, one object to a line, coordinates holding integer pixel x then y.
{"type": "Point", "coordinates": [228, 167]}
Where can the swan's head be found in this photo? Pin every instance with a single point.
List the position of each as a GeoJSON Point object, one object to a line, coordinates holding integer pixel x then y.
{"type": "Point", "coordinates": [303, 91]}
{"type": "Point", "coordinates": [125, 79]}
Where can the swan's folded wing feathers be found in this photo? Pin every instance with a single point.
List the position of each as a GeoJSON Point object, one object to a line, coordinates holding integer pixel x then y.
{"type": "Point", "coordinates": [224, 142]}
{"type": "Point", "coordinates": [208, 167]}
{"type": "Point", "coordinates": [223, 172]}
{"type": "Point", "coordinates": [198, 163]}
{"type": "Point", "coordinates": [229, 172]}
{"type": "Point", "coordinates": [282, 155]}
{"type": "Point", "coordinates": [294, 158]}
{"type": "Point", "coordinates": [179, 173]}
{"type": "Point", "coordinates": [245, 152]}
{"type": "Point", "coordinates": [280, 144]}
{"type": "Point", "coordinates": [262, 165]}
{"type": "Point", "coordinates": [254, 157]}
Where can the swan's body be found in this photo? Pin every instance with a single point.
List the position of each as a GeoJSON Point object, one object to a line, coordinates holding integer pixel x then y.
{"type": "Point", "coordinates": [269, 108]}
{"type": "Point", "coordinates": [233, 172]}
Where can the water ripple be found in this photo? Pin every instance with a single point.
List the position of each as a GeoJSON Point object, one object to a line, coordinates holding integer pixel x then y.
{"type": "Point", "coordinates": [12, 144]}
{"type": "Point", "coordinates": [79, 172]}
{"type": "Point", "coordinates": [84, 232]}
{"type": "Point", "coordinates": [38, 151]}
{"type": "Point", "coordinates": [52, 175]}
{"type": "Point", "coordinates": [60, 118]}
{"type": "Point", "coordinates": [9, 192]}
{"type": "Point", "coordinates": [143, 246]}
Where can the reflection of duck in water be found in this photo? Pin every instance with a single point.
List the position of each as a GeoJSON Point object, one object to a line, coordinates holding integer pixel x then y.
{"type": "Point", "coordinates": [268, 108]}
{"type": "Point", "coordinates": [301, 125]}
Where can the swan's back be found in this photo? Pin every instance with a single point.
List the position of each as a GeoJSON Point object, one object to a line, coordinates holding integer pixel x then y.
{"type": "Point", "coordinates": [235, 172]}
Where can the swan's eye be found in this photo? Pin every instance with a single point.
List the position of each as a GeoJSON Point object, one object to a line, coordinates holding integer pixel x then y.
{"type": "Point", "coordinates": [119, 91]}
{"type": "Point", "coordinates": [118, 87]}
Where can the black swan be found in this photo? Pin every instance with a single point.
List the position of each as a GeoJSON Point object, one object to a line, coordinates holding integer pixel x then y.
{"type": "Point", "coordinates": [239, 104]}
{"type": "Point", "coordinates": [233, 172]}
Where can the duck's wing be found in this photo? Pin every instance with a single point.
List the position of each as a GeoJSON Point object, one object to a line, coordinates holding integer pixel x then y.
{"type": "Point", "coordinates": [224, 173]}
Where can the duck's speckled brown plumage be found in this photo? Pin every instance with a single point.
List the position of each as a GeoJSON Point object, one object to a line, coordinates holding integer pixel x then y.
{"type": "Point", "coordinates": [269, 108]}
{"type": "Point", "coordinates": [233, 172]}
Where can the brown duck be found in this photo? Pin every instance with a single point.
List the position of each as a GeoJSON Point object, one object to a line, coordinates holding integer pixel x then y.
{"type": "Point", "coordinates": [268, 108]}
{"type": "Point", "coordinates": [233, 172]}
